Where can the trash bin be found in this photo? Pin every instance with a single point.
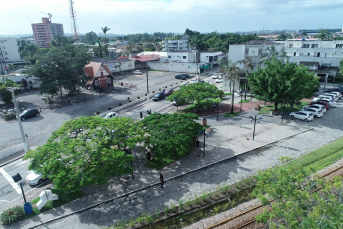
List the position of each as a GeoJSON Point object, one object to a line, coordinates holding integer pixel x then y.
{"type": "Point", "coordinates": [197, 143]}
{"type": "Point", "coordinates": [204, 121]}
{"type": "Point", "coordinates": [28, 208]}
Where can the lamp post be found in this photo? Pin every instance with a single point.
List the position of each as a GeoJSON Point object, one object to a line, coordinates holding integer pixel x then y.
{"type": "Point", "coordinates": [147, 82]}
{"type": "Point", "coordinates": [254, 119]}
{"type": "Point", "coordinates": [25, 145]}
{"type": "Point", "coordinates": [326, 79]}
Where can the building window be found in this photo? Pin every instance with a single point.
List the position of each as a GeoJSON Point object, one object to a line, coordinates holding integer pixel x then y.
{"type": "Point", "coordinates": [108, 80]}
{"type": "Point", "coordinates": [169, 57]}
{"type": "Point", "coordinates": [339, 46]}
{"type": "Point", "coordinates": [306, 46]}
{"type": "Point", "coordinates": [96, 82]}
{"type": "Point", "coordinates": [314, 46]}
{"type": "Point", "coordinates": [184, 57]}
{"type": "Point", "coordinates": [294, 54]}
{"type": "Point", "coordinates": [290, 46]}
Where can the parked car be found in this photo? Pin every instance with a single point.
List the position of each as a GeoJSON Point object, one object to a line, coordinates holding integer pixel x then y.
{"type": "Point", "coordinates": [339, 95]}
{"type": "Point", "coordinates": [29, 113]}
{"type": "Point", "coordinates": [335, 97]}
{"type": "Point", "coordinates": [219, 80]}
{"type": "Point", "coordinates": [336, 88]}
{"type": "Point", "coordinates": [111, 115]}
{"type": "Point", "coordinates": [158, 96]}
{"type": "Point", "coordinates": [327, 105]}
{"type": "Point", "coordinates": [34, 178]}
{"type": "Point", "coordinates": [331, 102]}
{"type": "Point", "coordinates": [168, 92]}
{"type": "Point", "coordinates": [317, 112]}
{"type": "Point", "coordinates": [318, 106]}
{"type": "Point", "coordinates": [137, 72]}
{"type": "Point", "coordinates": [303, 115]}
{"type": "Point", "coordinates": [214, 76]}
{"type": "Point", "coordinates": [187, 76]}
{"type": "Point", "coordinates": [180, 76]}
{"type": "Point", "coordinates": [330, 97]}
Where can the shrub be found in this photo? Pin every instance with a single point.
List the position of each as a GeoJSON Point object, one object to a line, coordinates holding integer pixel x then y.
{"type": "Point", "coordinates": [12, 215]}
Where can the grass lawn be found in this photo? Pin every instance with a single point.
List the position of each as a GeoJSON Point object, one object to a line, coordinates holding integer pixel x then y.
{"type": "Point", "coordinates": [245, 100]}
{"type": "Point", "coordinates": [227, 93]}
{"type": "Point", "coordinates": [231, 115]}
{"type": "Point", "coordinates": [296, 107]}
{"type": "Point", "coordinates": [63, 198]}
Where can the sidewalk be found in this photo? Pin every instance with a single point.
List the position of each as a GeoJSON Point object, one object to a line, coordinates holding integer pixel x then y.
{"type": "Point", "coordinates": [184, 178]}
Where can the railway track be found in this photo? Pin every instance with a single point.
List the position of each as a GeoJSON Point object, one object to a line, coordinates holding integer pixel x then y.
{"type": "Point", "coordinates": [246, 219]}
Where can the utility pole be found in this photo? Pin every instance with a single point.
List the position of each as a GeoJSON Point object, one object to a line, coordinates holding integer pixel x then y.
{"type": "Point", "coordinates": [147, 82]}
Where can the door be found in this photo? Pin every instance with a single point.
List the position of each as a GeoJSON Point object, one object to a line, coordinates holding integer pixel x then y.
{"type": "Point", "coordinates": [102, 83]}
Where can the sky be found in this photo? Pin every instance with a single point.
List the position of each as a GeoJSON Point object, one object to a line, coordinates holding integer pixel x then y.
{"type": "Point", "coordinates": [140, 16]}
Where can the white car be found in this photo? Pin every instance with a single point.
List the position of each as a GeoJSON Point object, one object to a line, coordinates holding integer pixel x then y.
{"type": "Point", "coordinates": [318, 106]}
{"type": "Point", "coordinates": [111, 115]}
{"type": "Point", "coordinates": [137, 72]}
{"type": "Point", "coordinates": [35, 178]}
{"type": "Point", "coordinates": [336, 93]}
{"type": "Point", "coordinates": [219, 80]}
{"type": "Point", "coordinates": [326, 97]}
{"type": "Point", "coordinates": [334, 96]}
{"type": "Point", "coordinates": [303, 115]}
{"type": "Point", "coordinates": [214, 76]}
{"type": "Point", "coordinates": [317, 112]}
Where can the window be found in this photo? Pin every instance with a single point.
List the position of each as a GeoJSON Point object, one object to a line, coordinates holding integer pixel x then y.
{"type": "Point", "coordinates": [290, 46]}
{"type": "Point", "coordinates": [294, 54]}
{"type": "Point", "coordinates": [169, 57]}
{"type": "Point", "coordinates": [314, 46]}
{"type": "Point", "coordinates": [108, 80]}
{"type": "Point", "coordinates": [96, 82]}
{"type": "Point", "coordinates": [306, 46]}
{"type": "Point", "coordinates": [339, 45]}
{"type": "Point", "coordinates": [308, 54]}
{"type": "Point", "coordinates": [184, 57]}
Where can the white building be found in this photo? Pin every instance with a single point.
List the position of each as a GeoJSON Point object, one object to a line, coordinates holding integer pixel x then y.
{"type": "Point", "coordinates": [9, 54]}
{"type": "Point", "coordinates": [322, 57]}
{"type": "Point", "coordinates": [175, 45]}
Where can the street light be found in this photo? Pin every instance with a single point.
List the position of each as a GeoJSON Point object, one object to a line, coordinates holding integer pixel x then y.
{"type": "Point", "coordinates": [25, 145]}
{"type": "Point", "coordinates": [254, 119]}
{"type": "Point", "coordinates": [27, 205]}
{"type": "Point", "coordinates": [326, 79]}
{"type": "Point", "coordinates": [241, 99]}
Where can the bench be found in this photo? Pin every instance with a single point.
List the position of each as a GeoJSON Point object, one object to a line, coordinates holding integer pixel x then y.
{"type": "Point", "coordinates": [208, 132]}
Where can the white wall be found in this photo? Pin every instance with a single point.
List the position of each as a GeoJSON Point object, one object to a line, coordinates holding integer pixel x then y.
{"type": "Point", "coordinates": [173, 67]}
{"type": "Point", "coordinates": [10, 49]}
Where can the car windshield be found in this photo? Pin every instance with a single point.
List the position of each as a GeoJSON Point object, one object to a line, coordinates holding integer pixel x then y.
{"type": "Point", "coordinates": [24, 112]}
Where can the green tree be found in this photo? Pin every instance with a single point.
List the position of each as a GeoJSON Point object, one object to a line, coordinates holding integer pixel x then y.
{"type": "Point", "coordinates": [171, 136]}
{"type": "Point", "coordinates": [248, 66]}
{"type": "Point", "coordinates": [91, 38]}
{"type": "Point", "coordinates": [62, 41]}
{"type": "Point", "coordinates": [324, 35]}
{"type": "Point", "coordinates": [59, 67]}
{"type": "Point", "coordinates": [296, 203]}
{"type": "Point", "coordinates": [5, 94]}
{"type": "Point", "coordinates": [27, 51]}
{"type": "Point", "coordinates": [284, 36]}
{"type": "Point", "coordinates": [86, 151]}
{"type": "Point", "coordinates": [104, 30]}
{"type": "Point", "coordinates": [281, 82]}
{"type": "Point", "coordinates": [196, 92]}
{"type": "Point", "coordinates": [232, 74]}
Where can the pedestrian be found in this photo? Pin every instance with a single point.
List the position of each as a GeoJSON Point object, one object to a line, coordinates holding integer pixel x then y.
{"type": "Point", "coordinates": [161, 179]}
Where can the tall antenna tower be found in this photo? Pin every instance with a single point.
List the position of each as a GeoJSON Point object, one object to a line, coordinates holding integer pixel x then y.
{"type": "Point", "coordinates": [74, 29]}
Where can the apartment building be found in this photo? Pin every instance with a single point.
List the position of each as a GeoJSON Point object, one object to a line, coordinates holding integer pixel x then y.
{"type": "Point", "coordinates": [175, 45]}
{"type": "Point", "coordinates": [46, 31]}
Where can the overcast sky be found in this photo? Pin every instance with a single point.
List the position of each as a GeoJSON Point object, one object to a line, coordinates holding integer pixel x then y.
{"type": "Point", "coordinates": [139, 16]}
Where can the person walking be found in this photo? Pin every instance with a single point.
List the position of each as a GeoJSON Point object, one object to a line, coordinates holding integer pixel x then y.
{"type": "Point", "coordinates": [162, 180]}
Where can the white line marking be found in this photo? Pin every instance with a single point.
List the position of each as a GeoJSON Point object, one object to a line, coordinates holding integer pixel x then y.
{"type": "Point", "coordinates": [10, 180]}
{"type": "Point", "coordinates": [23, 162]}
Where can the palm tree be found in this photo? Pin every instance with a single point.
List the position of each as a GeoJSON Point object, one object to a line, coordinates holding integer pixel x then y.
{"type": "Point", "coordinates": [104, 30]}
{"type": "Point", "coordinates": [271, 53]}
{"type": "Point", "coordinates": [247, 65]}
{"type": "Point", "coordinates": [232, 74]}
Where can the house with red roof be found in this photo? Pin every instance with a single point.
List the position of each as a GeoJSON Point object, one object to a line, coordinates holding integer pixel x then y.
{"type": "Point", "coordinates": [99, 76]}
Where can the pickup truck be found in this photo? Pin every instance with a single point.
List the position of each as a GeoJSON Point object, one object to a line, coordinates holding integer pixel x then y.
{"type": "Point", "coordinates": [137, 72]}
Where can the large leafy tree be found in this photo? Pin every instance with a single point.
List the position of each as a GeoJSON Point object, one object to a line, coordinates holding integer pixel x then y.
{"type": "Point", "coordinates": [5, 94]}
{"type": "Point", "coordinates": [27, 50]}
{"type": "Point", "coordinates": [86, 151]}
{"type": "Point", "coordinates": [59, 67]}
{"type": "Point", "coordinates": [62, 41]}
{"type": "Point", "coordinates": [196, 92]}
{"type": "Point", "coordinates": [171, 135]}
{"type": "Point", "coordinates": [282, 82]}
{"type": "Point", "coordinates": [91, 38]}
{"type": "Point", "coordinates": [296, 201]}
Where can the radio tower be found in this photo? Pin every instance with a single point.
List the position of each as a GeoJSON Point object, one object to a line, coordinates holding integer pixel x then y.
{"type": "Point", "coordinates": [74, 29]}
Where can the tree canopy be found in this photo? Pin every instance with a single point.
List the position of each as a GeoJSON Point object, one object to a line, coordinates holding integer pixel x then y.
{"type": "Point", "coordinates": [60, 66]}
{"type": "Point", "coordinates": [282, 82]}
{"type": "Point", "coordinates": [171, 135]}
{"type": "Point", "coordinates": [91, 38]}
{"type": "Point", "coordinates": [296, 200]}
{"type": "Point", "coordinates": [5, 94]}
{"type": "Point", "coordinates": [196, 92]}
{"type": "Point", "coordinates": [86, 151]}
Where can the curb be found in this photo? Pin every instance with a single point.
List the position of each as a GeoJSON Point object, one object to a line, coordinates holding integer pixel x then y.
{"type": "Point", "coordinates": [157, 183]}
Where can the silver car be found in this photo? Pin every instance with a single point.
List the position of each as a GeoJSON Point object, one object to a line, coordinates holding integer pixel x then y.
{"type": "Point", "coordinates": [318, 106]}
{"type": "Point", "coordinates": [317, 112]}
{"type": "Point", "coordinates": [303, 115]}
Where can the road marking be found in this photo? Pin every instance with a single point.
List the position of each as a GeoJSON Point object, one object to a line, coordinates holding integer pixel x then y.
{"type": "Point", "coordinates": [23, 162]}
{"type": "Point", "coordinates": [10, 180]}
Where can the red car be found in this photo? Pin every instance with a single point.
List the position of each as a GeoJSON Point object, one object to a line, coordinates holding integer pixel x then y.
{"type": "Point", "coordinates": [168, 92]}
{"type": "Point", "coordinates": [327, 106]}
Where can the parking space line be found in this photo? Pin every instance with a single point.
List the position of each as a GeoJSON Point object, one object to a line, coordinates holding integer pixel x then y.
{"type": "Point", "coordinates": [10, 180]}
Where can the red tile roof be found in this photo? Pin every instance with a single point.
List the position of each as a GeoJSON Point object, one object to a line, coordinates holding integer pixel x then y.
{"type": "Point", "coordinates": [92, 68]}
{"type": "Point", "coordinates": [145, 58]}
